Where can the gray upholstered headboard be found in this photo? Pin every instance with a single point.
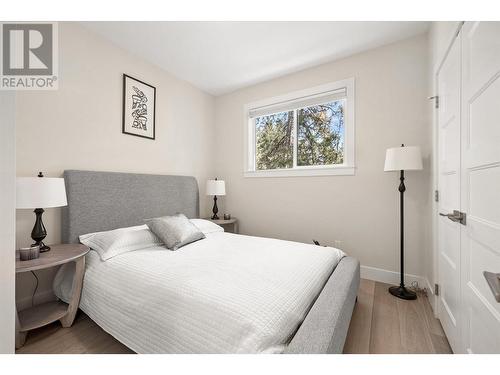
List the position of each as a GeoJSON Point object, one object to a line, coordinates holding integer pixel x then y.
{"type": "Point", "coordinates": [100, 201]}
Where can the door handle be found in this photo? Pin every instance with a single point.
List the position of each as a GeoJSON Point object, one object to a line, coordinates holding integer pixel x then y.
{"type": "Point", "coordinates": [456, 216]}
{"type": "Point", "coordinates": [493, 280]}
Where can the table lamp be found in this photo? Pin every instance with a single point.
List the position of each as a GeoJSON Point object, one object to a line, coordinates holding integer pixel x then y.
{"type": "Point", "coordinates": [38, 192]}
{"type": "Point", "coordinates": [402, 159]}
{"type": "Point", "coordinates": [215, 188]}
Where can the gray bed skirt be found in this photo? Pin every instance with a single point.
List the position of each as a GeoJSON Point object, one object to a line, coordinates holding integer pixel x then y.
{"type": "Point", "coordinates": [325, 327]}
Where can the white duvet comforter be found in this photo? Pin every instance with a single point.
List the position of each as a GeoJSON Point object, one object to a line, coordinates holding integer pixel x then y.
{"type": "Point", "coordinates": [225, 294]}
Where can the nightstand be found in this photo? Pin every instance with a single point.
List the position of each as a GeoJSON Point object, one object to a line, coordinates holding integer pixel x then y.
{"type": "Point", "coordinates": [232, 223]}
{"type": "Point", "coordinates": [46, 313]}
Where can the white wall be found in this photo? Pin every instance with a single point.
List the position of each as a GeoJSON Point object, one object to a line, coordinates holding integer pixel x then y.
{"type": "Point", "coordinates": [362, 211]}
{"type": "Point", "coordinates": [7, 215]}
{"type": "Point", "coordinates": [79, 126]}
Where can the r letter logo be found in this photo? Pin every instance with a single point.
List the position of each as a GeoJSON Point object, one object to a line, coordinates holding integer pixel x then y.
{"type": "Point", "coordinates": [29, 56]}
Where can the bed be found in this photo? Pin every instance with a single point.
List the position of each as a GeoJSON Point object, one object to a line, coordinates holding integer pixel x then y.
{"type": "Point", "coordinates": [225, 294]}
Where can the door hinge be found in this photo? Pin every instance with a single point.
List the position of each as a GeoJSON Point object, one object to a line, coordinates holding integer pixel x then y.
{"type": "Point", "coordinates": [436, 100]}
{"type": "Point", "coordinates": [436, 289]}
{"type": "Point", "coordinates": [436, 195]}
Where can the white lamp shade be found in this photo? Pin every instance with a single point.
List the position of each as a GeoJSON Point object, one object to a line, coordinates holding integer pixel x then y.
{"type": "Point", "coordinates": [40, 192]}
{"type": "Point", "coordinates": [405, 158]}
{"type": "Point", "coordinates": [216, 187]}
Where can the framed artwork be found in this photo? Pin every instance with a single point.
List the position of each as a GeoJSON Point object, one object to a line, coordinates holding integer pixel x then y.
{"type": "Point", "coordinates": [139, 101]}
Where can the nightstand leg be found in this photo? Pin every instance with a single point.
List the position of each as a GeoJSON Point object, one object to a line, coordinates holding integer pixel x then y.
{"type": "Point", "coordinates": [20, 336]}
{"type": "Point", "coordinates": [67, 320]}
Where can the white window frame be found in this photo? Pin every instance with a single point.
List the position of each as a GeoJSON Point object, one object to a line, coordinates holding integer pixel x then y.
{"type": "Point", "coordinates": [345, 169]}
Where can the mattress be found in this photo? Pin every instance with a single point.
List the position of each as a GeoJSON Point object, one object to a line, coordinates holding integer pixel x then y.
{"type": "Point", "coordinates": [227, 293]}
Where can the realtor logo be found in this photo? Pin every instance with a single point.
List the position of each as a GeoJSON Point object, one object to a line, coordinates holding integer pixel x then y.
{"type": "Point", "coordinates": [29, 56]}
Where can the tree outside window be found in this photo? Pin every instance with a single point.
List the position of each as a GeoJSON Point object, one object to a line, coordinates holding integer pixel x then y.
{"type": "Point", "coordinates": [318, 137]}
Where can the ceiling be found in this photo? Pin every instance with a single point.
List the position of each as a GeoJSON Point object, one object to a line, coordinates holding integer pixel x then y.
{"type": "Point", "coordinates": [220, 57]}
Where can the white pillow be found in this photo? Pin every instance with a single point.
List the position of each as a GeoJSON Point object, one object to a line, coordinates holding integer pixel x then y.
{"type": "Point", "coordinates": [119, 241]}
{"type": "Point", "coordinates": [206, 226]}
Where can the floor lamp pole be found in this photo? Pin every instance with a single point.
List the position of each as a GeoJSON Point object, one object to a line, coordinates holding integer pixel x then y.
{"type": "Point", "coordinates": [402, 189]}
{"type": "Point", "coordinates": [401, 291]}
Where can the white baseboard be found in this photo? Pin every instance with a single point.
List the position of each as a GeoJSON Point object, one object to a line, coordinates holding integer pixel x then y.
{"type": "Point", "coordinates": [392, 277]}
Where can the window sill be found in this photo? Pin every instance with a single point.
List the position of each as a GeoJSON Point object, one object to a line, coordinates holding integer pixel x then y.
{"type": "Point", "coordinates": [303, 172]}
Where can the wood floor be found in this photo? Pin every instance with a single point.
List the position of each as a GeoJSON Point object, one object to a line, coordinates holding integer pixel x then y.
{"type": "Point", "coordinates": [380, 324]}
{"type": "Point", "coordinates": [84, 337]}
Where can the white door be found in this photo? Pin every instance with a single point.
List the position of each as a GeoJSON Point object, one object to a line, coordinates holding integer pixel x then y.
{"type": "Point", "coordinates": [449, 82]}
{"type": "Point", "coordinates": [480, 196]}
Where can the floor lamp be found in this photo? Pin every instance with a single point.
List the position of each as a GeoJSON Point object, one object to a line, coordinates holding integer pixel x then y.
{"type": "Point", "coordinates": [402, 159]}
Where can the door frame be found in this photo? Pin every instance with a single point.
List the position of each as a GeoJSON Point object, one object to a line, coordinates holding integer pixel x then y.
{"type": "Point", "coordinates": [434, 300]}
{"type": "Point", "coordinates": [7, 221]}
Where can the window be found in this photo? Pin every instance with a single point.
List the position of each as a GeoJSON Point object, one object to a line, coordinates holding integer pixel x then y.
{"type": "Point", "coordinates": [310, 132]}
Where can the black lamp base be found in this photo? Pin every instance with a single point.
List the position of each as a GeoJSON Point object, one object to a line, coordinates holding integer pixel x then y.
{"type": "Point", "coordinates": [43, 248]}
{"type": "Point", "coordinates": [39, 233]}
{"type": "Point", "coordinates": [402, 292]}
{"type": "Point", "coordinates": [215, 210]}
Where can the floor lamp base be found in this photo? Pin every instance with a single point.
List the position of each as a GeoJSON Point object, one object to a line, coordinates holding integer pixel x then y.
{"type": "Point", "coordinates": [402, 292]}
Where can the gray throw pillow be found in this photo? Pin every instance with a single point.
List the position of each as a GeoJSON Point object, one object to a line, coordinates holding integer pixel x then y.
{"type": "Point", "coordinates": [175, 231]}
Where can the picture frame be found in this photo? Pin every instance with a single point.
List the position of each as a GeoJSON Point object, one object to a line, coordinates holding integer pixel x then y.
{"type": "Point", "coordinates": [139, 108]}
